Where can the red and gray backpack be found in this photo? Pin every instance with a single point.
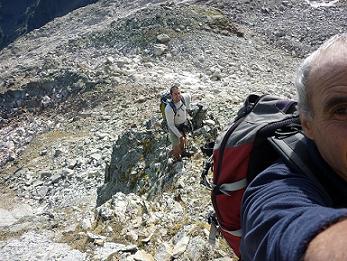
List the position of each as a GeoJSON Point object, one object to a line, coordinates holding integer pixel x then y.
{"type": "Point", "coordinates": [264, 129]}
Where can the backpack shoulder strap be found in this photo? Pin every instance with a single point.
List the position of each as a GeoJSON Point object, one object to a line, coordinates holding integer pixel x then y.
{"type": "Point", "coordinates": [172, 105]}
{"type": "Point", "coordinates": [293, 150]}
{"type": "Point", "coordinates": [290, 148]}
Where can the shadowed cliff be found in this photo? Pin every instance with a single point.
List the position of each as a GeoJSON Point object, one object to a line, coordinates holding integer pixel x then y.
{"type": "Point", "coordinates": [18, 17]}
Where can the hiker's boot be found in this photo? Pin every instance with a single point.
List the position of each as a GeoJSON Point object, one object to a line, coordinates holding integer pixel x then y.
{"type": "Point", "coordinates": [187, 154]}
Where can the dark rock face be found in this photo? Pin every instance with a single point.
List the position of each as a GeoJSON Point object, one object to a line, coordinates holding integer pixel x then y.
{"type": "Point", "coordinates": [18, 17]}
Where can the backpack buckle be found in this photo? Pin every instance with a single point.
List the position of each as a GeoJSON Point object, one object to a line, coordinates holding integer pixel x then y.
{"type": "Point", "coordinates": [203, 177]}
{"type": "Point", "coordinates": [287, 131]}
{"type": "Point", "coordinates": [214, 228]}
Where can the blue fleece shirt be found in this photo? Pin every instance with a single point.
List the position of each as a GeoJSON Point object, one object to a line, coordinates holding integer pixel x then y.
{"type": "Point", "coordinates": [283, 210]}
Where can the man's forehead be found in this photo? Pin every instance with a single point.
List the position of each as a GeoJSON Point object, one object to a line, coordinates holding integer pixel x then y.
{"type": "Point", "coordinates": [328, 82]}
{"type": "Point", "coordinates": [328, 67]}
{"type": "Point", "coordinates": [330, 62]}
{"type": "Point", "coordinates": [335, 54]}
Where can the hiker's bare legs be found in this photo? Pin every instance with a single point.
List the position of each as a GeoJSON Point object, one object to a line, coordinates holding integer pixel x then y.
{"type": "Point", "coordinates": [177, 149]}
{"type": "Point", "coordinates": [183, 143]}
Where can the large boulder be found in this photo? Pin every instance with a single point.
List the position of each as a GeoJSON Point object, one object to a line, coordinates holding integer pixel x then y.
{"type": "Point", "coordinates": [140, 161]}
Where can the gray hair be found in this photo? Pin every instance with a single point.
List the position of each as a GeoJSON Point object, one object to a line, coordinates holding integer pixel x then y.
{"type": "Point", "coordinates": [303, 72]}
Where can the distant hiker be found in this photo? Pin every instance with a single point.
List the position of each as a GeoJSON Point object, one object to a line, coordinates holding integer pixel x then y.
{"type": "Point", "coordinates": [286, 214]}
{"type": "Point", "coordinates": [177, 121]}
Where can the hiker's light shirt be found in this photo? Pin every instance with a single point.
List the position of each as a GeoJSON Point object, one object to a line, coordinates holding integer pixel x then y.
{"type": "Point", "coordinates": [181, 114]}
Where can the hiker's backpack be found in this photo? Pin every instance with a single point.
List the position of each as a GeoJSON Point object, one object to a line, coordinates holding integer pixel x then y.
{"type": "Point", "coordinates": [166, 99]}
{"type": "Point", "coordinates": [264, 129]}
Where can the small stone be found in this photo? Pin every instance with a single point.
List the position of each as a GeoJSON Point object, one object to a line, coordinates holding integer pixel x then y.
{"type": "Point", "coordinates": [46, 100]}
{"type": "Point", "coordinates": [163, 38]}
{"type": "Point", "coordinates": [122, 62]}
{"type": "Point", "coordinates": [57, 153]}
{"type": "Point", "coordinates": [72, 164]}
{"type": "Point", "coordinates": [99, 242]}
{"type": "Point", "coordinates": [37, 183]}
{"type": "Point", "coordinates": [143, 256]}
{"type": "Point", "coordinates": [45, 174]}
{"type": "Point", "coordinates": [43, 152]}
{"type": "Point", "coordinates": [96, 156]}
{"type": "Point", "coordinates": [164, 252]}
{"type": "Point", "coordinates": [180, 247]}
{"type": "Point", "coordinates": [105, 213]}
{"type": "Point", "coordinates": [42, 191]}
{"type": "Point", "coordinates": [109, 229]}
{"type": "Point", "coordinates": [109, 60]}
{"type": "Point", "coordinates": [279, 33]}
{"type": "Point", "coordinates": [66, 172]}
{"type": "Point", "coordinates": [132, 235]}
{"type": "Point", "coordinates": [210, 123]}
{"type": "Point", "coordinates": [86, 224]}
{"type": "Point", "coordinates": [159, 49]}
{"type": "Point", "coordinates": [55, 178]}
{"type": "Point", "coordinates": [95, 237]}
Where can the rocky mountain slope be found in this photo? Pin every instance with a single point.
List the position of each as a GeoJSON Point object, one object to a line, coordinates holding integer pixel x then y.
{"type": "Point", "coordinates": [83, 157]}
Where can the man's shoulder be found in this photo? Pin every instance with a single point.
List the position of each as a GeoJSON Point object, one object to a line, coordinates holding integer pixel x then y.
{"type": "Point", "coordinates": [186, 99]}
{"type": "Point", "coordinates": [280, 177]}
{"type": "Point", "coordinates": [279, 168]}
{"type": "Point", "coordinates": [186, 96]}
{"type": "Point", "coordinates": [169, 107]}
{"type": "Point", "coordinates": [277, 171]}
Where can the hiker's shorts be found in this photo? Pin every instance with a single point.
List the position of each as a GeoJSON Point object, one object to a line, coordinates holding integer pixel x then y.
{"type": "Point", "coordinates": [173, 138]}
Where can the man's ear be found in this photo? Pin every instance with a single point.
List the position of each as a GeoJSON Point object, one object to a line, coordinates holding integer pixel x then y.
{"type": "Point", "coordinates": [307, 125]}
